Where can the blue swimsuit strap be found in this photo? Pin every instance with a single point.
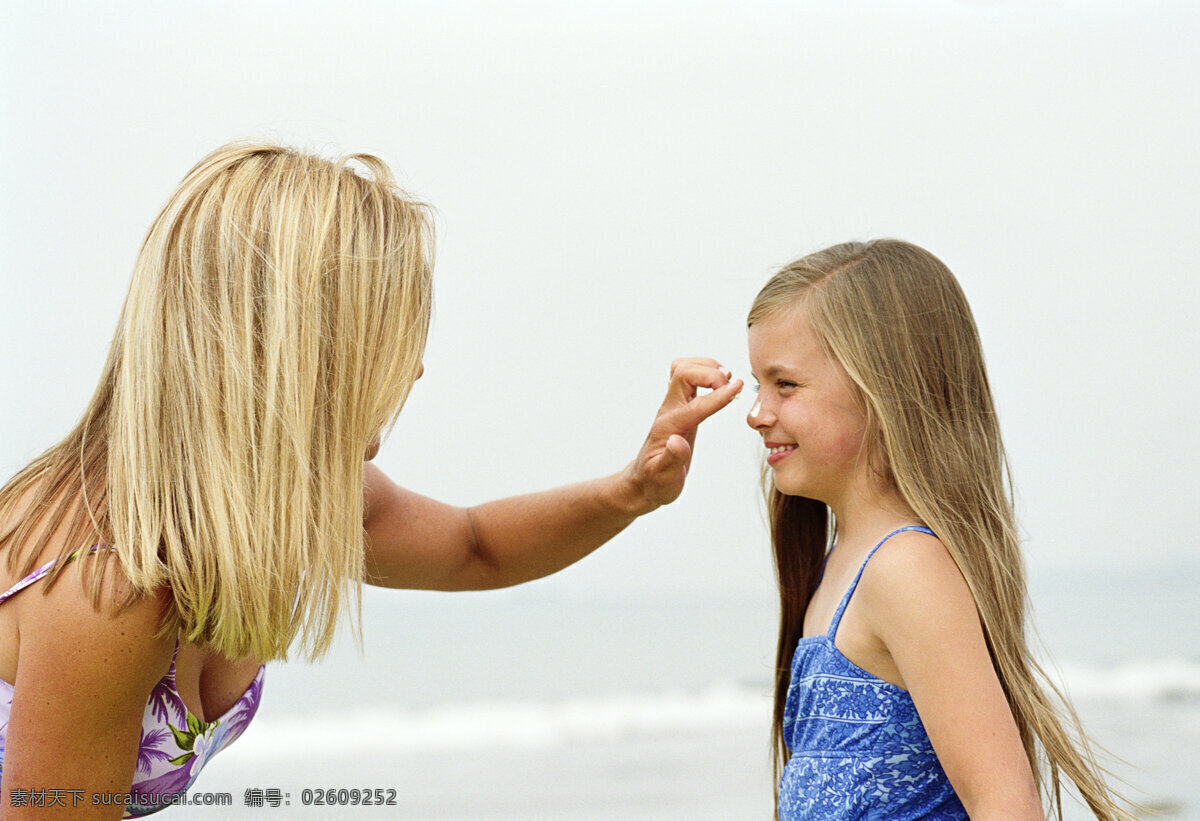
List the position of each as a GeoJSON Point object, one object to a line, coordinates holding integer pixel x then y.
{"type": "Point", "coordinates": [837, 615]}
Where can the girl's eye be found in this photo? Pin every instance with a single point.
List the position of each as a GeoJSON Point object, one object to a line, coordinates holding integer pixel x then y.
{"type": "Point", "coordinates": [780, 384]}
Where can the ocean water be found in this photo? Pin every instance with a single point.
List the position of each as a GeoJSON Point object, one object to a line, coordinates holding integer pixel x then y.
{"type": "Point", "coordinates": [529, 704]}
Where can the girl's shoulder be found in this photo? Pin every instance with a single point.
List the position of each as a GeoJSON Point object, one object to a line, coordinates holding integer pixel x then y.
{"type": "Point", "coordinates": [913, 572]}
{"type": "Point", "coordinates": [915, 599]}
{"type": "Point", "coordinates": [908, 553]}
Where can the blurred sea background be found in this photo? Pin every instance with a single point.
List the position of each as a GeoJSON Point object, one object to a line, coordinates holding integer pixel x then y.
{"type": "Point", "coordinates": [529, 705]}
{"type": "Point", "coordinates": [613, 183]}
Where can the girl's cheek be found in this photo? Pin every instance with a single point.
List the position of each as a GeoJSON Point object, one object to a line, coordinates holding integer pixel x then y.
{"type": "Point", "coordinates": [854, 445]}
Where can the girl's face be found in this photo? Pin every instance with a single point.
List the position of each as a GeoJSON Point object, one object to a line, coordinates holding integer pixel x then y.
{"type": "Point", "coordinates": [806, 411]}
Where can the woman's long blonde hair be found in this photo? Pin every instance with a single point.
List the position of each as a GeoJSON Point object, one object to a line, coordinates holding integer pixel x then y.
{"type": "Point", "coordinates": [896, 319]}
{"type": "Point", "coordinates": [274, 325]}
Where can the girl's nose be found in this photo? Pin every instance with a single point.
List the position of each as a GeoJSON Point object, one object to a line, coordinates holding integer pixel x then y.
{"type": "Point", "coordinates": [758, 415]}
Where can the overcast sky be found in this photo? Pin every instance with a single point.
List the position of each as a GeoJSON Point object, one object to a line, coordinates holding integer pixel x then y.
{"type": "Point", "coordinates": [615, 181]}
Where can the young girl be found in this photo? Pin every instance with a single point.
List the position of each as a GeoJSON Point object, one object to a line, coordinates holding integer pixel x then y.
{"type": "Point", "coordinates": [904, 685]}
{"type": "Point", "coordinates": [211, 509]}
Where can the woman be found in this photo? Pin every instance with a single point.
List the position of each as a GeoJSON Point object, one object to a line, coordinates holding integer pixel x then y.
{"type": "Point", "coordinates": [212, 507]}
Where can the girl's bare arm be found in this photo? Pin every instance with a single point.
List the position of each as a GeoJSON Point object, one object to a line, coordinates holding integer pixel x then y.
{"type": "Point", "coordinates": [921, 608]}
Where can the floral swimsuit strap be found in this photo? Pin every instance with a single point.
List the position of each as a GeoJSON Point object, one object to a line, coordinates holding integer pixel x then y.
{"type": "Point", "coordinates": [45, 569]}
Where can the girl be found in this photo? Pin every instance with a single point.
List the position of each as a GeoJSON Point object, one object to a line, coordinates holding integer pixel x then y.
{"type": "Point", "coordinates": [904, 685]}
{"type": "Point", "coordinates": [211, 509]}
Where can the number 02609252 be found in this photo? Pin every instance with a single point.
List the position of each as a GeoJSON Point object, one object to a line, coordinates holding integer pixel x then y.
{"type": "Point", "coordinates": [352, 797]}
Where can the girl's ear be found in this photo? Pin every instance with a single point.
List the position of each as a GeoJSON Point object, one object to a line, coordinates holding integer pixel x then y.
{"type": "Point", "coordinates": [877, 454]}
{"type": "Point", "coordinates": [874, 446]}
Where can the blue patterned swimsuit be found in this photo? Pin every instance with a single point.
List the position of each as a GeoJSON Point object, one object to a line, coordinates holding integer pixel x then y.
{"type": "Point", "coordinates": [859, 750]}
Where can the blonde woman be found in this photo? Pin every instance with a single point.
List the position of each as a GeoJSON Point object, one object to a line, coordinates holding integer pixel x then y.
{"type": "Point", "coordinates": [904, 685]}
{"type": "Point", "coordinates": [211, 510]}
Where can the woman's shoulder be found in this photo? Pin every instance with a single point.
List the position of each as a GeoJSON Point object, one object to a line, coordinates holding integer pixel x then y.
{"type": "Point", "coordinates": [105, 613]}
{"type": "Point", "coordinates": [90, 608]}
{"type": "Point", "coordinates": [85, 669]}
{"type": "Point", "coordinates": [90, 601]}
{"type": "Point", "coordinates": [92, 589]}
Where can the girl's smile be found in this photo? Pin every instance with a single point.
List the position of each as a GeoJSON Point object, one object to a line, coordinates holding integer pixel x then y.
{"type": "Point", "coordinates": [778, 452]}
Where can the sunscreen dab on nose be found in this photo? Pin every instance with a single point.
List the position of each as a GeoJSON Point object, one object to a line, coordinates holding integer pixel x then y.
{"type": "Point", "coordinates": [757, 407]}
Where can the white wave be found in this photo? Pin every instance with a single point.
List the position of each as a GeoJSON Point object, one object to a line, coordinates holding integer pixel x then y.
{"type": "Point", "coordinates": [519, 724]}
{"type": "Point", "coordinates": [1168, 679]}
{"type": "Point", "coordinates": [503, 724]}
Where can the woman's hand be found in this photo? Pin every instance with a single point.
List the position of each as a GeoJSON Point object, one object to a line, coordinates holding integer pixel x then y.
{"type": "Point", "coordinates": [655, 477]}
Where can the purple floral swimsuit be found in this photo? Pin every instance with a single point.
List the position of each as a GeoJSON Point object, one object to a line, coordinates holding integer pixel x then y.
{"type": "Point", "coordinates": [175, 743]}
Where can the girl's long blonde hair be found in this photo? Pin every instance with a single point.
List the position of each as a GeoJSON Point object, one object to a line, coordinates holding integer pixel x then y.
{"type": "Point", "coordinates": [896, 319]}
{"type": "Point", "coordinates": [274, 325]}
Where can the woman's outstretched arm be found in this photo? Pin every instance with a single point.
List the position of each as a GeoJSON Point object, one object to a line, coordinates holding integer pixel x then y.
{"type": "Point", "coordinates": [416, 542]}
